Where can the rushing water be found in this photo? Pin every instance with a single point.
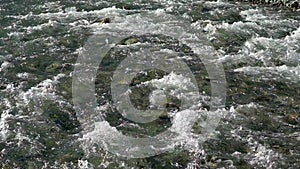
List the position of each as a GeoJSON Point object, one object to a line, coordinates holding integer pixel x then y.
{"type": "Point", "coordinates": [257, 45]}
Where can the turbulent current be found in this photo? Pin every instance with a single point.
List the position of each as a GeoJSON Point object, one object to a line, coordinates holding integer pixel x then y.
{"type": "Point", "coordinates": [149, 84]}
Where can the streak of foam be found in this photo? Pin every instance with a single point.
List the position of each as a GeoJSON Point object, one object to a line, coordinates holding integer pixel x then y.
{"type": "Point", "coordinates": [4, 127]}
{"type": "Point", "coordinates": [70, 14]}
{"type": "Point", "coordinates": [41, 26]}
{"type": "Point", "coordinates": [267, 52]}
{"type": "Point", "coordinates": [280, 73]}
{"type": "Point", "coordinates": [259, 49]}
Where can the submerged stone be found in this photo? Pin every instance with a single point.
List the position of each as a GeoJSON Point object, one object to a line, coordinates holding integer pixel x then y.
{"type": "Point", "coordinates": [105, 20]}
{"type": "Point", "coordinates": [130, 41]}
{"type": "Point", "coordinates": [53, 67]}
{"type": "Point", "coordinates": [101, 20]}
{"type": "Point", "coordinates": [293, 118]}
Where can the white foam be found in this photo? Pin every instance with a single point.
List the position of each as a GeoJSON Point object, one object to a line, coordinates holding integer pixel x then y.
{"type": "Point", "coordinates": [262, 54]}
{"type": "Point", "coordinates": [294, 37]}
{"type": "Point", "coordinates": [71, 9]}
{"type": "Point", "coordinates": [172, 80]}
{"type": "Point", "coordinates": [51, 6]}
{"type": "Point", "coordinates": [50, 23]}
{"type": "Point", "coordinates": [6, 65]}
{"type": "Point", "coordinates": [84, 164]}
{"type": "Point", "coordinates": [218, 3]}
{"type": "Point", "coordinates": [282, 73]}
{"type": "Point", "coordinates": [253, 15]}
{"type": "Point", "coordinates": [44, 90]}
{"type": "Point", "coordinates": [181, 87]}
{"type": "Point", "coordinates": [262, 156]}
{"type": "Point", "coordinates": [20, 137]}
{"type": "Point", "coordinates": [70, 14]}
{"type": "Point", "coordinates": [23, 75]}
{"type": "Point", "coordinates": [5, 115]}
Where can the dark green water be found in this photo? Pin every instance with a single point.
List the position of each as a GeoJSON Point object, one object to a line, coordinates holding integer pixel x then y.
{"type": "Point", "coordinates": [258, 47]}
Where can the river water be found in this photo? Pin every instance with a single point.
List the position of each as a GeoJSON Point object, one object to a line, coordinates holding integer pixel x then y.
{"type": "Point", "coordinates": [259, 55]}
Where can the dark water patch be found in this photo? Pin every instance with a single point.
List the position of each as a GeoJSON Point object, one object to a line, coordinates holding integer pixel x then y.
{"type": "Point", "coordinates": [205, 11]}
{"type": "Point", "coordinates": [66, 119]}
{"type": "Point", "coordinates": [230, 42]}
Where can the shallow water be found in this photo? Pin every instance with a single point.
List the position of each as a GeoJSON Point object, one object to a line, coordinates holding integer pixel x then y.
{"type": "Point", "coordinates": [258, 47]}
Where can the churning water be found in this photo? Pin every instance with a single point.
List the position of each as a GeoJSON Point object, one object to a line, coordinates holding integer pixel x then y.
{"type": "Point", "coordinates": [47, 121]}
